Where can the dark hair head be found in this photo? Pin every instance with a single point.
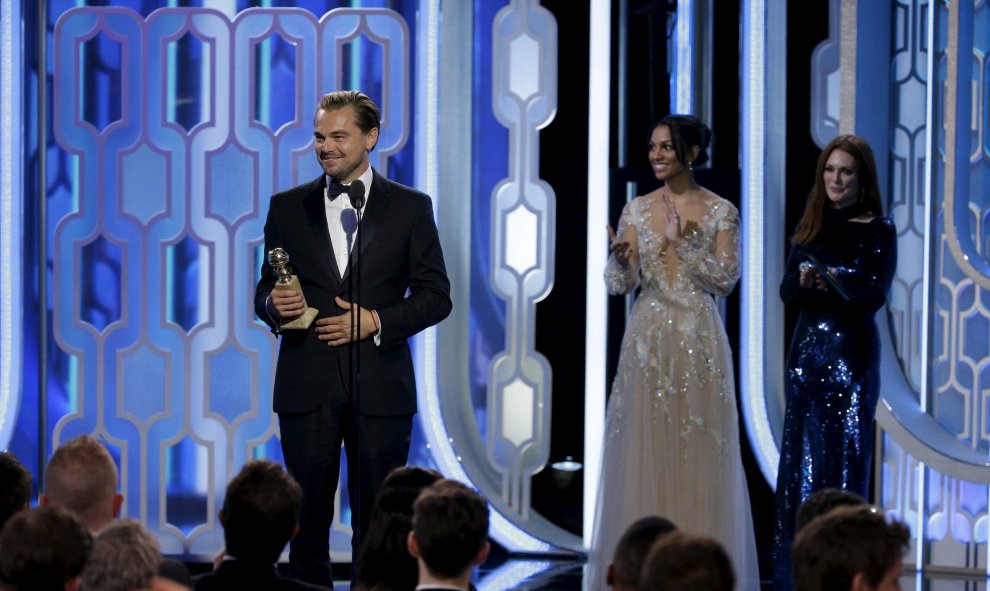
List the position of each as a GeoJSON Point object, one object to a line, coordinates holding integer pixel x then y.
{"type": "Point", "coordinates": [450, 523]}
{"type": "Point", "coordinates": [366, 114]}
{"type": "Point", "coordinates": [866, 173]}
{"type": "Point", "coordinates": [833, 548]}
{"type": "Point", "coordinates": [822, 501]}
{"type": "Point", "coordinates": [43, 549]}
{"type": "Point", "coordinates": [383, 558]}
{"type": "Point", "coordinates": [685, 562]}
{"type": "Point", "coordinates": [15, 490]}
{"type": "Point", "coordinates": [260, 511]}
{"type": "Point", "coordinates": [635, 543]}
{"type": "Point", "coordinates": [686, 132]}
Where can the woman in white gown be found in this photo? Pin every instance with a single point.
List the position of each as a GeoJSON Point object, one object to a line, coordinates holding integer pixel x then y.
{"type": "Point", "coordinates": [672, 440]}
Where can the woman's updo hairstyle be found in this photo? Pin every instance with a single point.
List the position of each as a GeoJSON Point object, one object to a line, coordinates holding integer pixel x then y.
{"type": "Point", "coordinates": [687, 131]}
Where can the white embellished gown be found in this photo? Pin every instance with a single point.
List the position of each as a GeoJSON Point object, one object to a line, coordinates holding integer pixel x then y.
{"type": "Point", "coordinates": [672, 439]}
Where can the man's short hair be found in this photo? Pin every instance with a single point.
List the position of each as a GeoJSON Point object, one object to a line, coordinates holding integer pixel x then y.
{"type": "Point", "coordinates": [633, 546]}
{"type": "Point", "coordinates": [15, 486]}
{"type": "Point", "coordinates": [822, 501]}
{"type": "Point", "coordinates": [82, 477]}
{"type": "Point", "coordinates": [43, 549]}
{"type": "Point", "coordinates": [366, 114]}
{"type": "Point", "coordinates": [125, 556]}
{"type": "Point", "coordinates": [260, 511]}
{"type": "Point", "coordinates": [685, 562]}
{"type": "Point", "coordinates": [450, 524]}
{"type": "Point", "coordinates": [832, 549]}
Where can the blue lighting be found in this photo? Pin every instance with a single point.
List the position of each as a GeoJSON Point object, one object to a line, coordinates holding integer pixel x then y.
{"type": "Point", "coordinates": [11, 221]}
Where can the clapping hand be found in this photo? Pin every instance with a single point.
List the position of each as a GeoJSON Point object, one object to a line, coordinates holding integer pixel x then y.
{"type": "Point", "coordinates": [621, 249]}
{"type": "Point", "coordinates": [811, 278]}
{"type": "Point", "coordinates": [672, 221]}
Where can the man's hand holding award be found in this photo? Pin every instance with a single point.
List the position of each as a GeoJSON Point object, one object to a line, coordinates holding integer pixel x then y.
{"type": "Point", "coordinates": [286, 281]}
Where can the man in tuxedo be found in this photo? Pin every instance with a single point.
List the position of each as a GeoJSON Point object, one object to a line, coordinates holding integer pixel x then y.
{"type": "Point", "coordinates": [449, 535]}
{"type": "Point", "coordinates": [348, 378]}
{"type": "Point", "coordinates": [260, 515]}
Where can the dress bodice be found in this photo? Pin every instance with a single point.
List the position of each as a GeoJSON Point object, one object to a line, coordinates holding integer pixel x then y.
{"type": "Point", "coordinates": [864, 256]}
{"type": "Point", "coordinates": [707, 261]}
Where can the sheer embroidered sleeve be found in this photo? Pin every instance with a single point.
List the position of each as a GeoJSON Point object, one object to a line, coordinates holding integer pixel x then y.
{"type": "Point", "coordinates": [714, 263]}
{"type": "Point", "coordinates": [620, 278]}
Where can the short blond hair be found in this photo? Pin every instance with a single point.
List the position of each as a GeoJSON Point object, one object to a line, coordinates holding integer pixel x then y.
{"type": "Point", "coordinates": [82, 477]}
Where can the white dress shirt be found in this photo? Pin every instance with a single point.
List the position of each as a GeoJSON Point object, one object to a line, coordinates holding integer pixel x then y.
{"type": "Point", "coordinates": [342, 220]}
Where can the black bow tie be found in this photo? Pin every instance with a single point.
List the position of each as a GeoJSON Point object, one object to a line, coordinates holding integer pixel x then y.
{"type": "Point", "coordinates": [336, 190]}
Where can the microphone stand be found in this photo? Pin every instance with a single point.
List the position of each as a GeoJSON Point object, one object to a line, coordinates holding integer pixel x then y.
{"type": "Point", "coordinates": [355, 193]}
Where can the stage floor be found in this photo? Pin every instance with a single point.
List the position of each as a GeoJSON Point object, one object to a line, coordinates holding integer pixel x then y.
{"type": "Point", "coordinates": [565, 574]}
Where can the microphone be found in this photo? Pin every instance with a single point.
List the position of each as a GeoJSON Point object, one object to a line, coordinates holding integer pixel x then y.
{"type": "Point", "coordinates": [355, 192]}
{"type": "Point", "coordinates": [349, 222]}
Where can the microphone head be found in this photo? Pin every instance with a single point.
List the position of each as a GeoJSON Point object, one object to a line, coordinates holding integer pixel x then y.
{"type": "Point", "coordinates": [355, 192]}
{"type": "Point", "coordinates": [349, 221]}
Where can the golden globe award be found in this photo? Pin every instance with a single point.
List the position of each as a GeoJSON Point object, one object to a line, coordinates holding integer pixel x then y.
{"type": "Point", "coordinates": [279, 260]}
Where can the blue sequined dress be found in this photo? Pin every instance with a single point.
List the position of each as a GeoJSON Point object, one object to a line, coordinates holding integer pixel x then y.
{"type": "Point", "coordinates": [671, 443]}
{"type": "Point", "coordinates": [832, 376]}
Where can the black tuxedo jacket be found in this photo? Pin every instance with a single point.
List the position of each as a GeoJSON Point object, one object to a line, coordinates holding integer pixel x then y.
{"type": "Point", "coordinates": [402, 277]}
{"type": "Point", "coordinates": [235, 575]}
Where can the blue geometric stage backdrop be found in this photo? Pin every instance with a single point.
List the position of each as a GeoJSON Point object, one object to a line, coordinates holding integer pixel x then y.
{"type": "Point", "coordinates": [169, 128]}
{"type": "Point", "coordinates": [913, 78]}
{"type": "Point", "coordinates": [928, 121]}
{"type": "Point", "coordinates": [175, 129]}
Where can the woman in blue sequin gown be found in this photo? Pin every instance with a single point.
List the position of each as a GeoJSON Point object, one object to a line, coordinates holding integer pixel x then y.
{"type": "Point", "coordinates": [833, 379]}
{"type": "Point", "coordinates": [672, 439]}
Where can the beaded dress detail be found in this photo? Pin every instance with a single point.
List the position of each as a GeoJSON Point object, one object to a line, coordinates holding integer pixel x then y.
{"type": "Point", "coordinates": [833, 369]}
{"type": "Point", "coordinates": [672, 439]}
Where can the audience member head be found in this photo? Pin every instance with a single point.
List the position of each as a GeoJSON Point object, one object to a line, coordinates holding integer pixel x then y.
{"type": "Point", "coordinates": [384, 560]}
{"type": "Point", "coordinates": [630, 552]}
{"type": "Point", "coordinates": [685, 562]}
{"type": "Point", "coordinates": [849, 548]}
{"type": "Point", "coordinates": [822, 501]}
{"type": "Point", "coordinates": [449, 532]}
{"type": "Point", "coordinates": [15, 487]}
{"type": "Point", "coordinates": [82, 477]}
{"type": "Point", "coordinates": [260, 513]}
{"type": "Point", "coordinates": [125, 557]}
{"type": "Point", "coordinates": [44, 549]}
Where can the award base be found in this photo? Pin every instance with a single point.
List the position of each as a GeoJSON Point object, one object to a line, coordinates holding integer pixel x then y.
{"type": "Point", "coordinates": [300, 322]}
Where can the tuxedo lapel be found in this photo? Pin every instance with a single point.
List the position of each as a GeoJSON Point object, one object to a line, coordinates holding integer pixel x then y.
{"type": "Point", "coordinates": [316, 214]}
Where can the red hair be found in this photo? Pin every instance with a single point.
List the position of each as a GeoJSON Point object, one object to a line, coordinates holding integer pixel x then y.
{"type": "Point", "coordinates": [869, 191]}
